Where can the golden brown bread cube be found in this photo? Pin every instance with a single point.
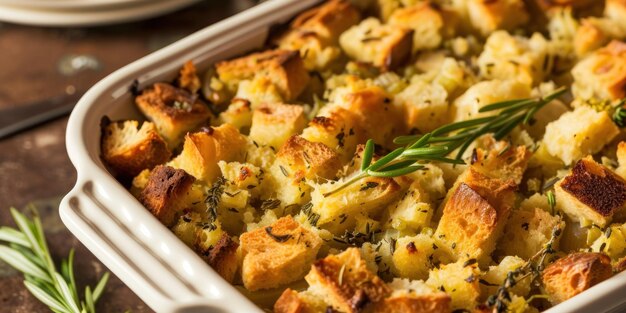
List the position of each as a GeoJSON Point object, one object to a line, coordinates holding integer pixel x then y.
{"type": "Point", "coordinates": [527, 231]}
{"type": "Point", "coordinates": [591, 192]}
{"type": "Point", "coordinates": [203, 149]}
{"type": "Point", "coordinates": [291, 301]}
{"type": "Point", "coordinates": [337, 129]}
{"type": "Point", "coordinates": [277, 254]}
{"type": "Point", "coordinates": [128, 149]}
{"type": "Point", "coordinates": [488, 16]}
{"type": "Point", "coordinates": [575, 273]}
{"type": "Point", "coordinates": [382, 45]}
{"type": "Point", "coordinates": [174, 111]}
{"type": "Point", "coordinates": [284, 68]}
{"type": "Point", "coordinates": [163, 196]}
{"type": "Point", "coordinates": [431, 24]}
{"type": "Point", "coordinates": [273, 124]}
{"type": "Point", "coordinates": [188, 78]}
{"type": "Point", "coordinates": [344, 281]}
{"type": "Point", "coordinates": [615, 9]}
{"type": "Point", "coordinates": [413, 297]}
{"type": "Point", "coordinates": [223, 257]}
{"type": "Point", "coordinates": [602, 74]}
{"type": "Point", "coordinates": [328, 20]}
{"type": "Point", "coordinates": [307, 159]}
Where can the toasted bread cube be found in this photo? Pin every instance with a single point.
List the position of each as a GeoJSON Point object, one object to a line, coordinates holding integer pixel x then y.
{"type": "Point", "coordinates": [338, 211]}
{"type": "Point", "coordinates": [591, 192]}
{"type": "Point", "coordinates": [524, 59]}
{"type": "Point", "coordinates": [621, 159]}
{"type": "Point", "coordinates": [238, 114]}
{"type": "Point", "coordinates": [278, 254]}
{"type": "Point", "coordinates": [484, 93]}
{"type": "Point", "coordinates": [384, 46]}
{"type": "Point", "coordinates": [300, 160]}
{"type": "Point", "coordinates": [188, 79]}
{"type": "Point", "coordinates": [291, 301]}
{"type": "Point", "coordinates": [258, 91]}
{"type": "Point", "coordinates": [413, 211]}
{"type": "Point", "coordinates": [575, 273]}
{"type": "Point", "coordinates": [496, 275]}
{"type": "Point", "coordinates": [174, 111]}
{"type": "Point", "coordinates": [425, 106]}
{"type": "Point", "coordinates": [488, 16]}
{"type": "Point", "coordinates": [328, 20]}
{"type": "Point", "coordinates": [430, 24]}
{"type": "Point", "coordinates": [337, 129]}
{"type": "Point", "coordinates": [615, 9]}
{"type": "Point", "coordinates": [344, 281]}
{"type": "Point", "coordinates": [283, 68]}
{"type": "Point", "coordinates": [502, 161]}
{"type": "Point", "coordinates": [243, 177]}
{"type": "Point", "coordinates": [460, 281]}
{"type": "Point", "coordinates": [527, 232]}
{"type": "Point", "coordinates": [202, 150]}
{"type": "Point", "coordinates": [611, 242]}
{"type": "Point", "coordinates": [165, 193]}
{"type": "Point", "coordinates": [413, 297]}
{"type": "Point", "coordinates": [415, 256]}
{"type": "Point", "coordinates": [128, 149]}
{"type": "Point", "coordinates": [602, 74]}
{"type": "Point", "coordinates": [570, 140]}
{"type": "Point", "coordinates": [222, 257]}
{"type": "Point", "coordinates": [552, 4]}
{"type": "Point", "coordinates": [273, 124]}
{"type": "Point", "coordinates": [591, 35]}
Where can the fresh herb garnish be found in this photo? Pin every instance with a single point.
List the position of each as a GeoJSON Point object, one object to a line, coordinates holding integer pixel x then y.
{"type": "Point", "coordinates": [619, 114]}
{"type": "Point", "coordinates": [438, 144]}
{"type": "Point", "coordinates": [27, 252]}
{"type": "Point", "coordinates": [214, 197]}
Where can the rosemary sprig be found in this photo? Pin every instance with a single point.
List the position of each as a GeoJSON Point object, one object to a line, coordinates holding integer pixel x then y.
{"type": "Point", "coordinates": [619, 114]}
{"type": "Point", "coordinates": [26, 250]}
{"type": "Point", "coordinates": [438, 144]}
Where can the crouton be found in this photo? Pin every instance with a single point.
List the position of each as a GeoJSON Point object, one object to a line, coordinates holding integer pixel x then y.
{"type": "Point", "coordinates": [307, 159]}
{"type": "Point", "coordinates": [612, 241]}
{"type": "Point", "coordinates": [413, 297]}
{"type": "Point", "coordinates": [223, 257]}
{"type": "Point", "coordinates": [337, 211]}
{"type": "Point", "coordinates": [413, 211]}
{"type": "Point", "coordinates": [202, 150]}
{"type": "Point", "coordinates": [425, 106]}
{"type": "Point", "coordinates": [575, 273]}
{"type": "Point", "coordinates": [484, 93]}
{"type": "Point", "coordinates": [488, 16]}
{"type": "Point", "coordinates": [460, 281]}
{"type": "Point", "coordinates": [243, 177]}
{"type": "Point", "coordinates": [291, 301]}
{"type": "Point", "coordinates": [602, 74]}
{"type": "Point", "coordinates": [384, 46]}
{"type": "Point", "coordinates": [188, 79]}
{"type": "Point", "coordinates": [283, 68]}
{"type": "Point", "coordinates": [551, 4]}
{"type": "Point", "coordinates": [570, 140]}
{"type": "Point", "coordinates": [615, 9]}
{"type": "Point", "coordinates": [163, 196]}
{"type": "Point", "coordinates": [273, 124]}
{"type": "Point", "coordinates": [591, 35]}
{"type": "Point", "coordinates": [515, 57]}
{"type": "Point", "coordinates": [501, 161]}
{"type": "Point", "coordinates": [415, 256]}
{"type": "Point", "coordinates": [328, 20]}
{"type": "Point", "coordinates": [258, 91]}
{"type": "Point", "coordinates": [496, 275]}
{"type": "Point", "coordinates": [345, 282]}
{"type": "Point", "coordinates": [174, 111]}
{"type": "Point", "coordinates": [238, 114]}
{"type": "Point", "coordinates": [527, 232]}
{"type": "Point", "coordinates": [336, 128]}
{"type": "Point", "coordinates": [591, 192]}
{"type": "Point", "coordinates": [621, 159]}
{"type": "Point", "coordinates": [431, 24]}
{"type": "Point", "coordinates": [128, 149]}
{"type": "Point", "coordinates": [278, 254]}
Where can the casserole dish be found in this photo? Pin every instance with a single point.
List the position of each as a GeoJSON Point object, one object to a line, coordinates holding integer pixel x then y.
{"type": "Point", "coordinates": [153, 262]}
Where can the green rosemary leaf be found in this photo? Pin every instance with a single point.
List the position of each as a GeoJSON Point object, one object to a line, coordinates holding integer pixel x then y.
{"type": "Point", "coordinates": [516, 103]}
{"type": "Point", "coordinates": [11, 235]}
{"type": "Point", "coordinates": [396, 172]}
{"type": "Point", "coordinates": [439, 150]}
{"type": "Point", "coordinates": [66, 292]}
{"type": "Point", "coordinates": [394, 166]}
{"type": "Point", "coordinates": [22, 263]}
{"type": "Point", "coordinates": [90, 303]}
{"type": "Point", "coordinates": [506, 129]}
{"type": "Point", "coordinates": [422, 141]}
{"type": "Point", "coordinates": [368, 153]}
{"type": "Point", "coordinates": [45, 297]}
{"type": "Point", "coordinates": [461, 125]}
{"type": "Point", "coordinates": [97, 292]}
{"type": "Point", "coordinates": [386, 159]}
{"type": "Point", "coordinates": [405, 140]}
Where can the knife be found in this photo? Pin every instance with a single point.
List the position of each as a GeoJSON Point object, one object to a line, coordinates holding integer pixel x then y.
{"type": "Point", "coordinates": [24, 116]}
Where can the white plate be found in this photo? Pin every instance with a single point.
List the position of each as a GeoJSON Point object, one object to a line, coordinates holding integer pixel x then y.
{"type": "Point", "coordinates": [101, 12]}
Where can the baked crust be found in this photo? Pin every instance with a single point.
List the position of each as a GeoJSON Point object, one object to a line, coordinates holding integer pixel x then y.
{"type": "Point", "coordinates": [164, 194]}
{"type": "Point", "coordinates": [128, 149]}
{"type": "Point", "coordinates": [173, 110]}
{"type": "Point", "coordinates": [413, 303]}
{"type": "Point", "coordinates": [575, 273]}
{"type": "Point", "coordinates": [308, 159]}
{"type": "Point", "coordinates": [223, 257]}
{"type": "Point", "coordinates": [277, 254]}
{"type": "Point", "coordinates": [273, 124]}
{"type": "Point", "coordinates": [284, 68]}
{"type": "Point", "coordinates": [603, 73]}
{"type": "Point", "coordinates": [489, 16]}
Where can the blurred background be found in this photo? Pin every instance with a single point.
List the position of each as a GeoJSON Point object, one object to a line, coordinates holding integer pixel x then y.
{"type": "Point", "coordinates": [39, 64]}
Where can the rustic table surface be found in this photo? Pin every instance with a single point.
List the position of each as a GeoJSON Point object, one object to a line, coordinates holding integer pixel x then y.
{"type": "Point", "coordinates": [36, 63]}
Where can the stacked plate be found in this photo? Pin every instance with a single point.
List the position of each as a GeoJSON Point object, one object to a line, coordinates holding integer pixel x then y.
{"type": "Point", "coordinates": [84, 12]}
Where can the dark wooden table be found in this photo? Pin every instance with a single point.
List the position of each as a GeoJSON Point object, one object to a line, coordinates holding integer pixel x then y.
{"type": "Point", "coordinates": [34, 166]}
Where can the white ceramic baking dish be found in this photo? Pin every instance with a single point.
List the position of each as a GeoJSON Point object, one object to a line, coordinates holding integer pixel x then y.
{"type": "Point", "coordinates": [134, 245]}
